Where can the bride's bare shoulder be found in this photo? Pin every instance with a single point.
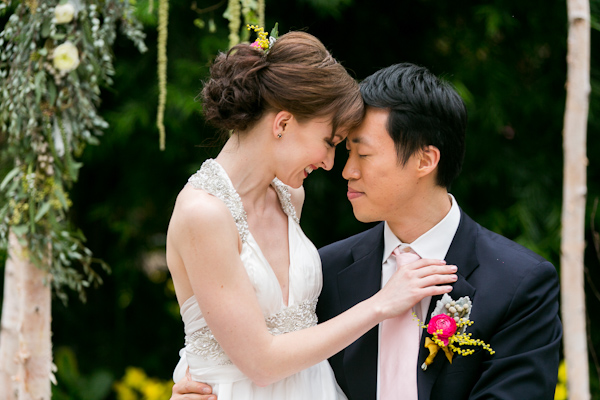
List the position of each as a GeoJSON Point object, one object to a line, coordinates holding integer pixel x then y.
{"type": "Point", "coordinates": [195, 208]}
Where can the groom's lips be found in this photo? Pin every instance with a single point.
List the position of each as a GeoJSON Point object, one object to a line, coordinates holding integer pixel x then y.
{"type": "Point", "coordinates": [353, 194]}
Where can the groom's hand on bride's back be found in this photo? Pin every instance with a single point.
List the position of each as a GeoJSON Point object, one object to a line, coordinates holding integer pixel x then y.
{"type": "Point", "coordinates": [187, 389]}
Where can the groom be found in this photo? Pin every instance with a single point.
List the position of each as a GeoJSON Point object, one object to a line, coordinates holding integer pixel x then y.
{"type": "Point", "coordinates": [402, 160]}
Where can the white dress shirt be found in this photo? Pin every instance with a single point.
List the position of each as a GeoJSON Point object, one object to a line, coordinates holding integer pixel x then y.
{"type": "Point", "coordinates": [432, 244]}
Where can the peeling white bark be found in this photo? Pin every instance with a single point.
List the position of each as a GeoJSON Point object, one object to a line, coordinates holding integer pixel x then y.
{"type": "Point", "coordinates": [25, 339]}
{"type": "Point", "coordinates": [9, 333]}
{"type": "Point", "coordinates": [574, 200]}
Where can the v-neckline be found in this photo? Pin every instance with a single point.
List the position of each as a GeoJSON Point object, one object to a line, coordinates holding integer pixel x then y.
{"type": "Point", "coordinates": [241, 218]}
{"type": "Point", "coordinates": [284, 303]}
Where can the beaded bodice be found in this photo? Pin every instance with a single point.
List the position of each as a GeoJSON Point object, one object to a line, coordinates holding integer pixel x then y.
{"type": "Point", "coordinates": [305, 279]}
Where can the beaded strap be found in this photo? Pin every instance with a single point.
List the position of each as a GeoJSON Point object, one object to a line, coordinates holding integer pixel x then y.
{"type": "Point", "coordinates": [300, 316]}
{"type": "Point", "coordinates": [285, 199]}
{"type": "Point", "coordinates": [212, 178]}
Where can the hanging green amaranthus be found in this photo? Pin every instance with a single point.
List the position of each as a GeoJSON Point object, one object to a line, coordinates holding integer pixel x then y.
{"type": "Point", "coordinates": [163, 20]}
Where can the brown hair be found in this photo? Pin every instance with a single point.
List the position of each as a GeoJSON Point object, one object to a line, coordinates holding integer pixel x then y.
{"type": "Point", "coordinates": [297, 74]}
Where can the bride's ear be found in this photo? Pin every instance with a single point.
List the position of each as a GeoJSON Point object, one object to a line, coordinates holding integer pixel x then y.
{"type": "Point", "coordinates": [280, 122]}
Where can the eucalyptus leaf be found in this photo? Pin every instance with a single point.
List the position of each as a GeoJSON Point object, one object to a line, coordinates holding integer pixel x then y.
{"type": "Point", "coordinates": [19, 230]}
{"type": "Point", "coordinates": [61, 197]}
{"type": "Point", "coordinates": [42, 211]}
{"type": "Point", "coordinates": [51, 92]}
{"type": "Point", "coordinates": [9, 176]}
{"type": "Point", "coordinates": [275, 31]}
{"type": "Point", "coordinates": [74, 168]}
{"type": "Point", "coordinates": [45, 31]}
{"type": "Point", "coordinates": [39, 77]}
{"type": "Point", "coordinates": [31, 213]}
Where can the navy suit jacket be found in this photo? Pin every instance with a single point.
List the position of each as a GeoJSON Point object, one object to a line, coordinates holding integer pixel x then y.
{"type": "Point", "coordinates": [515, 310]}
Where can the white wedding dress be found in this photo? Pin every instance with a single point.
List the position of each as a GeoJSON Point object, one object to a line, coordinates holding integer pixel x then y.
{"type": "Point", "coordinates": [206, 359]}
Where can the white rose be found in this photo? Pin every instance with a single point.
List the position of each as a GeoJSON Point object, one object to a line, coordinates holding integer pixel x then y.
{"type": "Point", "coordinates": [66, 57]}
{"type": "Point", "coordinates": [64, 13]}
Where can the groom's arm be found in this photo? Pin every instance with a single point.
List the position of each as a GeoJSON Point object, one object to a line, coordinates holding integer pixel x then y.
{"type": "Point", "coordinates": [526, 343]}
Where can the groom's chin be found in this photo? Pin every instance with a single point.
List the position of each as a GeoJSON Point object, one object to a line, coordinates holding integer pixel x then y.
{"type": "Point", "coordinates": [362, 217]}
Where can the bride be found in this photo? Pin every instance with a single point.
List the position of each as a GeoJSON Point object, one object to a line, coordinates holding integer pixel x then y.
{"type": "Point", "coordinates": [247, 278]}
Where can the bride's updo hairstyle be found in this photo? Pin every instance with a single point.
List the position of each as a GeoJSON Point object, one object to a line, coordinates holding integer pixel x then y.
{"type": "Point", "coordinates": [297, 74]}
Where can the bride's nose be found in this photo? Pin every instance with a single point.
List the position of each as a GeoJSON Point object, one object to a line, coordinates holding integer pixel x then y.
{"type": "Point", "coordinates": [327, 163]}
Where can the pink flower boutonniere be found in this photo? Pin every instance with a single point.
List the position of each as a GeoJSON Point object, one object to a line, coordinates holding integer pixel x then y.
{"type": "Point", "coordinates": [449, 321]}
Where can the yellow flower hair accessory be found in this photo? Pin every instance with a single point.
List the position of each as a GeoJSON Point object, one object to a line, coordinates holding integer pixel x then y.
{"type": "Point", "coordinates": [262, 42]}
{"type": "Point", "coordinates": [447, 326]}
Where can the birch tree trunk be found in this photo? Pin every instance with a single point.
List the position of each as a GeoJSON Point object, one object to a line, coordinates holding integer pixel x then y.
{"type": "Point", "coordinates": [9, 333]}
{"type": "Point", "coordinates": [574, 200]}
{"type": "Point", "coordinates": [26, 326]}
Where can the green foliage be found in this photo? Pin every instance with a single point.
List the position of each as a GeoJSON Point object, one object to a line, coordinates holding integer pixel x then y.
{"type": "Point", "coordinates": [72, 385]}
{"type": "Point", "coordinates": [53, 61]}
{"type": "Point", "coordinates": [595, 11]}
{"type": "Point", "coordinates": [250, 12]}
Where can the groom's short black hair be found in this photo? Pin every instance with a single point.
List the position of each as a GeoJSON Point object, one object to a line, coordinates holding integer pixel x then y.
{"type": "Point", "coordinates": [424, 111]}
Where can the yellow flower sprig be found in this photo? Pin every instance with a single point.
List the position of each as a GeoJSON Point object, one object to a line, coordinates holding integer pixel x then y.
{"type": "Point", "coordinates": [262, 41]}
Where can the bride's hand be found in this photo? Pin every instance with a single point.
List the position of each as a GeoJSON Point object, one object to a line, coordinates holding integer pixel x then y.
{"type": "Point", "coordinates": [412, 282]}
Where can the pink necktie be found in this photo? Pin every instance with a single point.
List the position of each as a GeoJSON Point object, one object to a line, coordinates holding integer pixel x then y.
{"type": "Point", "coordinates": [399, 349]}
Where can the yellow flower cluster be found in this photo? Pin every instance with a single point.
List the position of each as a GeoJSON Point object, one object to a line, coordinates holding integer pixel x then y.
{"type": "Point", "coordinates": [465, 339]}
{"type": "Point", "coordinates": [561, 392]}
{"type": "Point", "coordinates": [262, 41]}
{"type": "Point", "coordinates": [17, 210]}
{"type": "Point", "coordinates": [137, 385]}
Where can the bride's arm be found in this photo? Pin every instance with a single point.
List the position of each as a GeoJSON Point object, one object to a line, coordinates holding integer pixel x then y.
{"type": "Point", "coordinates": [206, 239]}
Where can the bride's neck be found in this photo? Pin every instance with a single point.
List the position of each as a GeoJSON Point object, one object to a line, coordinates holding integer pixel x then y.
{"type": "Point", "coordinates": [247, 163]}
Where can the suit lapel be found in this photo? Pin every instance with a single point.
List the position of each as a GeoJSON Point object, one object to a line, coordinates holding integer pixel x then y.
{"type": "Point", "coordinates": [357, 282]}
{"type": "Point", "coordinates": [462, 253]}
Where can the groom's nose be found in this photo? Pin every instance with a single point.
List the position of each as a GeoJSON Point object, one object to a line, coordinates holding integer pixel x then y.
{"type": "Point", "coordinates": [350, 172]}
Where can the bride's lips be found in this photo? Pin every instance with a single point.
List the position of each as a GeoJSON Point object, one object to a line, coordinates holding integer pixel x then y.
{"type": "Point", "coordinates": [353, 194]}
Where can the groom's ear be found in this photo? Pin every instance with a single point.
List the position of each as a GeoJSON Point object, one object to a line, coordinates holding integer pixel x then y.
{"type": "Point", "coordinates": [429, 159]}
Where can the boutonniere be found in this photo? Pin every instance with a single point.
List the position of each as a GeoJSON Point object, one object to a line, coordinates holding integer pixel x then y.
{"type": "Point", "coordinates": [447, 327]}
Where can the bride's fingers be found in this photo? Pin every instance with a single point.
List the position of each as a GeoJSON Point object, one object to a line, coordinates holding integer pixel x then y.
{"type": "Point", "coordinates": [435, 290]}
{"type": "Point", "coordinates": [421, 263]}
{"type": "Point", "coordinates": [435, 270]}
{"type": "Point", "coordinates": [437, 279]}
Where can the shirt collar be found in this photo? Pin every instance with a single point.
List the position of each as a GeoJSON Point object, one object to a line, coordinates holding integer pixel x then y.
{"type": "Point", "coordinates": [432, 244]}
